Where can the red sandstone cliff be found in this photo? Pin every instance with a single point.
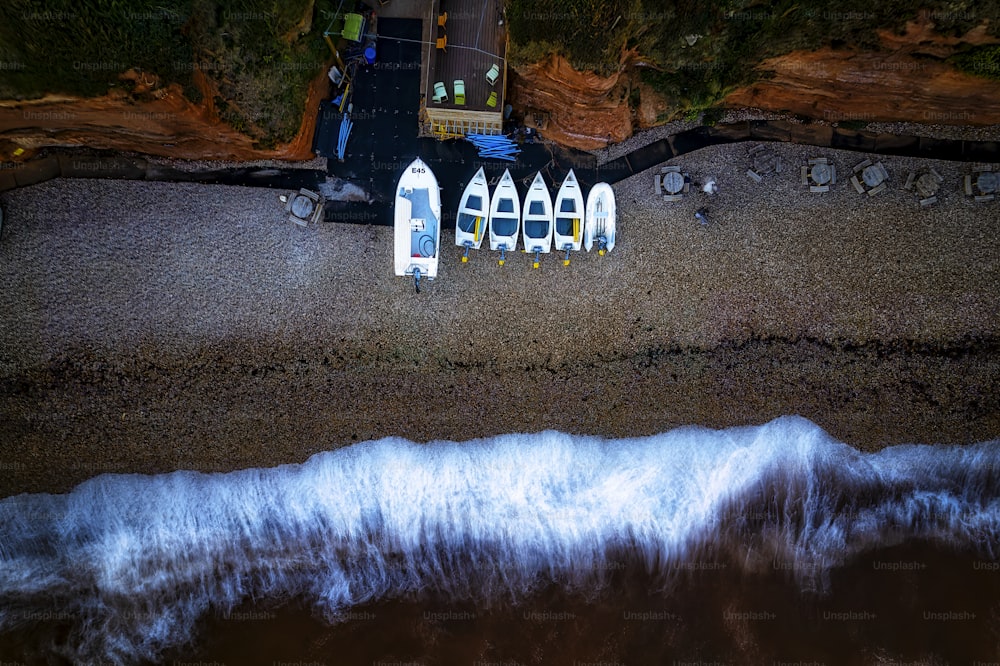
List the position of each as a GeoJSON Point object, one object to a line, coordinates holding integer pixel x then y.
{"type": "Point", "coordinates": [908, 81]}
{"type": "Point", "coordinates": [163, 122]}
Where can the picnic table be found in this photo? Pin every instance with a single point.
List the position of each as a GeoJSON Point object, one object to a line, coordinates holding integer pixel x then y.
{"type": "Point", "coordinates": [926, 184]}
{"type": "Point", "coordinates": [987, 182]}
{"type": "Point", "coordinates": [763, 161]}
{"type": "Point", "coordinates": [820, 173]}
{"type": "Point", "coordinates": [982, 183]}
{"type": "Point", "coordinates": [673, 182]}
{"type": "Point", "coordinates": [872, 179]}
{"type": "Point", "coordinates": [872, 176]}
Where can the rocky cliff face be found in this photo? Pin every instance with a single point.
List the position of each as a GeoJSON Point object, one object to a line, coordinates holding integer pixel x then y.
{"type": "Point", "coordinates": [906, 81]}
{"type": "Point", "coordinates": [160, 122]}
{"type": "Point", "coordinates": [579, 109]}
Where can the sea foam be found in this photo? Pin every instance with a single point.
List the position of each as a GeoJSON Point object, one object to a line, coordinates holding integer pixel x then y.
{"type": "Point", "coordinates": [132, 562]}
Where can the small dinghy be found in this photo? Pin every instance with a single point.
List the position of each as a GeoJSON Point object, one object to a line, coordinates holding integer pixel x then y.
{"type": "Point", "coordinates": [473, 214]}
{"type": "Point", "coordinates": [537, 227]}
{"type": "Point", "coordinates": [505, 216]}
{"type": "Point", "coordinates": [600, 219]}
{"type": "Point", "coordinates": [568, 232]}
{"type": "Point", "coordinates": [417, 223]}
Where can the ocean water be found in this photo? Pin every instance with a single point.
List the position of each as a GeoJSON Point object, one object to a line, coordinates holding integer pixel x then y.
{"type": "Point", "coordinates": [765, 544]}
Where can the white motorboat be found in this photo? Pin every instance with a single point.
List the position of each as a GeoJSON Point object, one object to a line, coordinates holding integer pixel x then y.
{"type": "Point", "coordinates": [473, 214]}
{"type": "Point", "coordinates": [505, 216]}
{"type": "Point", "coordinates": [569, 213]}
{"type": "Point", "coordinates": [537, 218]}
{"type": "Point", "coordinates": [417, 223]}
{"type": "Point", "coordinates": [600, 219]}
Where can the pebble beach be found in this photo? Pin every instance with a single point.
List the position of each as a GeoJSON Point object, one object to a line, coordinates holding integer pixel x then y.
{"type": "Point", "coordinates": [149, 327]}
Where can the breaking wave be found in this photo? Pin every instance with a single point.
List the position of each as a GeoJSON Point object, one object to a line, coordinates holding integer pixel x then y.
{"type": "Point", "coordinates": [133, 562]}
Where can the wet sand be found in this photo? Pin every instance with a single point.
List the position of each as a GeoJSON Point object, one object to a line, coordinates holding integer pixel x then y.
{"type": "Point", "coordinates": [150, 326]}
{"type": "Point", "coordinates": [914, 603]}
{"type": "Point", "coordinates": [712, 614]}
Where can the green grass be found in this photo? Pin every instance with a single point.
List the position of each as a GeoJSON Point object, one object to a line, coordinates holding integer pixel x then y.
{"type": "Point", "coordinates": [567, 27]}
{"type": "Point", "coordinates": [735, 36]}
{"type": "Point", "coordinates": [259, 62]}
{"type": "Point", "coordinates": [252, 50]}
{"type": "Point", "coordinates": [981, 61]}
{"type": "Point", "coordinates": [80, 48]}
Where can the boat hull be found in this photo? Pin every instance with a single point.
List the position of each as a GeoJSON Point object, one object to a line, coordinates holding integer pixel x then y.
{"type": "Point", "coordinates": [505, 215]}
{"type": "Point", "coordinates": [472, 222]}
{"type": "Point", "coordinates": [567, 233]}
{"type": "Point", "coordinates": [536, 220]}
{"type": "Point", "coordinates": [601, 221]}
{"type": "Point", "coordinates": [417, 219]}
